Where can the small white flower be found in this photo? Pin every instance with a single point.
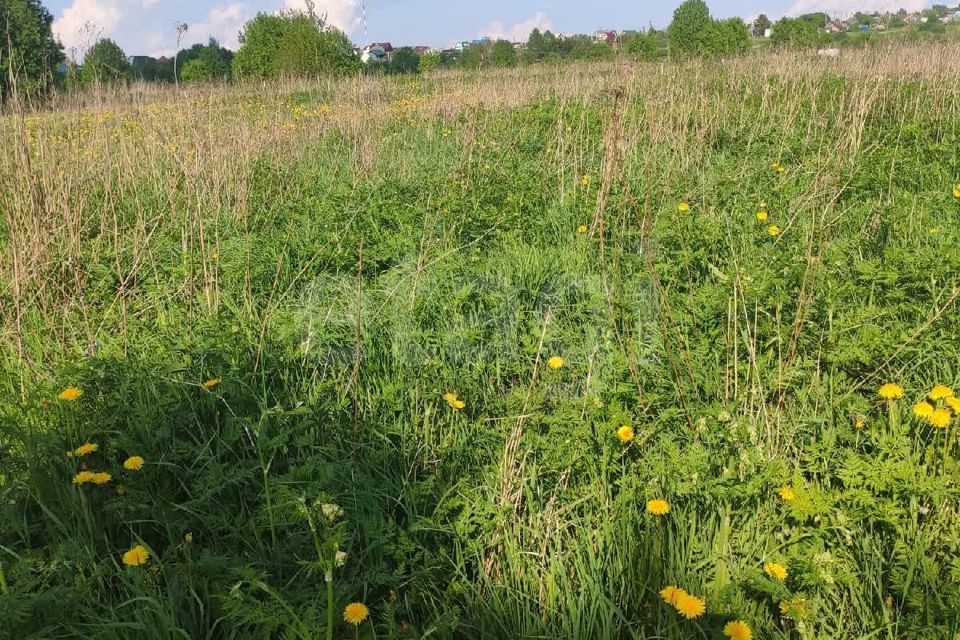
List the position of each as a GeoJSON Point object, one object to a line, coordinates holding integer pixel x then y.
{"type": "Point", "coordinates": [340, 558]}
{"type": "Point", "coordinates": [331, 511]}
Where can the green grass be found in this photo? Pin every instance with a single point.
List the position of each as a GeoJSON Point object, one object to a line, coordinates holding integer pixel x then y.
{"type": "Point", "coordinates": [339, 271]}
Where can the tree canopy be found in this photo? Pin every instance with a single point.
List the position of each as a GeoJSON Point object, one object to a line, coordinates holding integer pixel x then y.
{"type": "Point", "coordinates": [502, 54]}
{"type": "Point", "coordinates": [693, 32]}
{"type": "Point", "coordinates": [794, 32]}
{"type": "Point", "coordinates": [760, 25]}
{"type": "Point", "coordinates": [292, 44]}
{"type": "Point", "coordinates": [105, 62]}
{"type": "Point", "coordinates": [28, 48]}
{"type": "Point", "coordinates": [207, 62]}
{"type": "Point", "coordinates": [403, 61]}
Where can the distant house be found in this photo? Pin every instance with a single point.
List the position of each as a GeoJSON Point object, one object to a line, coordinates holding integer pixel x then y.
{"type": "Point", "coordinates": [864, 28]}
{"type": "Point", "coordinates": [519, 45]}
{"type": "Point", "coordinates": [767, 32]}
{"type": "Point", "coordinates": [914, 18]}
{"type": "Point", "coordinates": [461, 46]}
{"type": "Point", "coordinates": [136, 61]}
{"type": "Point", "coordinates": [955, 17]}
{"type": "Point", "coordinates": [610, 37]}
{"type": "Point", "coordinates": [376, 52]}
{"type": "Point", "coordinates": [835, 26]}
{"type": "Point", "coordinates": [421, 50]}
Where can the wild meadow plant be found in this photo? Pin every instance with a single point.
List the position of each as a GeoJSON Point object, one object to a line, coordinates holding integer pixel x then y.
{"type": "Point", "coordinates": [619, 350]}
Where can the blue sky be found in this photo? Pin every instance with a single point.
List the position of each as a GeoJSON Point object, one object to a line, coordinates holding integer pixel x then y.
{"type": "Point", "coordinates": [146, 26]}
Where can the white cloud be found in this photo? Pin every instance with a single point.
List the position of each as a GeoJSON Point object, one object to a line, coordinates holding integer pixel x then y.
{"type": "Point", "coordinates": [339, 13]}
{"type": "Point", "coordinates": [849, 7]}
{"type": "Point", "coordinates": [223, 23]}
{"type": "Point", "coordinates": [519, 31]}
{"type": "Point", "coordinates": [84, 20]}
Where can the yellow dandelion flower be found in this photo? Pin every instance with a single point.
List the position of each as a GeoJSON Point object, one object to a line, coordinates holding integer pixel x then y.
{"type": "Point", "coordinates": [683, 207]}
{"type": "Point", "coordinates": [941, 392]}
{"type": "Point", "coordinates": [458, 404]}
{"type": "Point", "coordinates": [133, 463]}
{"type": "Point", "coordinates": [787, 494]}
{"type": "Point", "coordinates": [773, 230]}
{"type": "Point", "coordinates": [214, 256]}
{"type": "Point", "coordinates": [954, 403]}
{"type": "Point", "coordinates": [585, 181]}
{"type": "Point", "coordinates": [890, 391]}
{"type": "Point", "coordinates": [689, 606]}
{"type": "Point", "coordinates": [658, 507]}
{"type": "Point", "coordinates": [70, 394]}
{"type": "Point", "coordinates": [555, 362]}
{"type": "Point", "coordinates": [859, 422]}
{"type": "Point", "coordinates": [738, 630]}
{"type": "Point", "coordinates": [922, 409]}
{"type": "Point", "coordinates": [775, 570]}
{"type": "Point", "coordinates": [940, 418]}
{"type": "Point", "coordinates": [582, 228]}
{"type": "Point", "coordinates": [450, 397]}
{"type": "Point", "coordinates": [669, 594]}
{"type": "Point", "coordinates": [85, 449]}
{"type": "Point", "coordinates": [355, 613]}
{"type": "Point", "coordinates": [762, 215]}
{"type": "Point", "coordinates": [934, 231]}
{"type": "Point", "coordinates": [625, 434]}
{"type": "Point", "coordinates": [211, 383]}
{"type": "Point", "coordinates": [83, 477]}
{"type": "Point", "coordinates": [956, 190]}
{"type": "Point", "coordinates": [136, 556]}
{"type": "Point", "coordinates": [101, 477]}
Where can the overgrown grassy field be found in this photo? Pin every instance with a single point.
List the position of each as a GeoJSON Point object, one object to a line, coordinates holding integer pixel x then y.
{"type": "Point", "coordinates": [407, 319]}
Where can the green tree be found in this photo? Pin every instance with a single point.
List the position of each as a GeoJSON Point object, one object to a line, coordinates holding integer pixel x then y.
{"type": "Point", "coordinates": [819, 20]}
{"type": "Point", "coordinates": [502, 54]}
{"type": "Point", "coordinates": [403, 61]}
{"type": "Point", "coordinates": [692, 31]}
{"type": "Point", "coordinates": [584, 48]}
{"type": "Point", "coordinates": [152, 70]}
{"type": "Point", "coordinates": [539, 46]}
{"type": "Point", "coordinates": [472, 57]}
{"type": "Point", "coordinates": [733, 36]}
{"type": "Point", "coordinates": [431, 61]}
{"type": "Point", "coordinates": [28, 49]}
{"type": "Point", "coordinates": [292, 44]}
{"type": "Point", "coordinates": [216, 61]}
{"type": "Point", "coordinates": [196, 70]}
{"type": "Point", "coordinates": [105, 62]}
{"type": "Point", "coordinates": [796, 33]}
{"type": "Point", "coordinates": [644, 46]}
{"type": "Point", "coordinates": [760, 25]}
{"type": "Point", "coordinates": [932, 25]}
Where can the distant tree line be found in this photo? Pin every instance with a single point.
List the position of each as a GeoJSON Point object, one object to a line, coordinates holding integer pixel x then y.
{"type": "Point", "coordinates": [300, 43]}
